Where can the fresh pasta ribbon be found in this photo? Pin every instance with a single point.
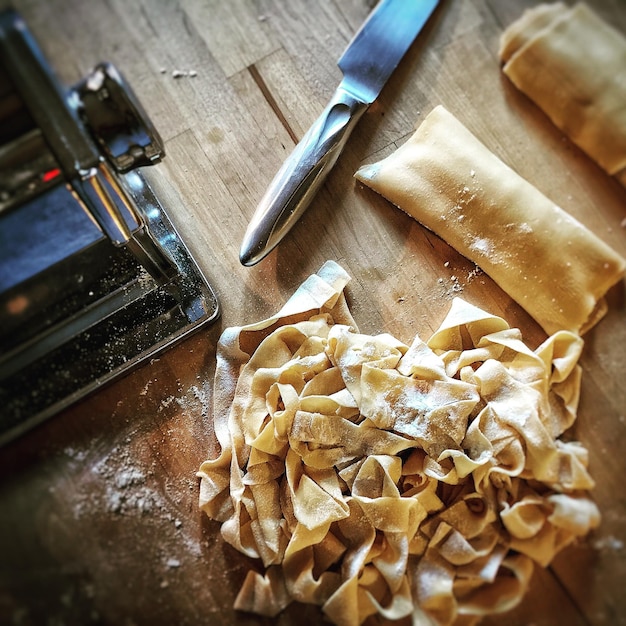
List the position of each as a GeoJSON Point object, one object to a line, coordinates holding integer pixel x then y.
{"type": "Point", "coordinates": [371, 477]}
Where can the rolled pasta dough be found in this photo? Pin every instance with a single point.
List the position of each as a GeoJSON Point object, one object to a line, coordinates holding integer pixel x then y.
{"type": "Point", "coordinates": [573, 66]}
{"type": "Point", "coordinates": [547, 261]}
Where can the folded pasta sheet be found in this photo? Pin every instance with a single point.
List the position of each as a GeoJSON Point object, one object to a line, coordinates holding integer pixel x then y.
{"type": "Point", "coordinates": [373, 477]}
{"type": "Point", "coordinates": [573, 65]}
{"type": "Point", "coordinates": [547, 261]}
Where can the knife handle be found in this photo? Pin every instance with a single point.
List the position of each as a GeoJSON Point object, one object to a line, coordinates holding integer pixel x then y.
{"type": "Point", "coordinates": [300, 176]}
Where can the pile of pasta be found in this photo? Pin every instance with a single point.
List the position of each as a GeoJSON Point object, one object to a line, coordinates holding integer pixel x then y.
{"type": "Point", "coordinates": [375, 478]}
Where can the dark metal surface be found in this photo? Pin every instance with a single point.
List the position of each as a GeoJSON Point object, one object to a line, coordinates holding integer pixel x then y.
{"type": "Point", "coordinates": [117, 120]}
{"type": "Point", "coordinates": [94, 278]}
{"type": "Point", "coordinates": [91, 317]}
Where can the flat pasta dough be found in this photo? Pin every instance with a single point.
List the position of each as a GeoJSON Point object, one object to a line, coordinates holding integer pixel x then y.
{"type": "Point", "coordinates": [573, 66]}
{"type": "Point", "coordinates": [547, 261]}
{"type": "Point", "coordinates": [375, 478]}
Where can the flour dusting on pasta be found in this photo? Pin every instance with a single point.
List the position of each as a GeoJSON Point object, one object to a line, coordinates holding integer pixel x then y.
{"type": "Point", "coordinates": [371, 477]}
{"type": "Point", "coordinates": [508, 227]}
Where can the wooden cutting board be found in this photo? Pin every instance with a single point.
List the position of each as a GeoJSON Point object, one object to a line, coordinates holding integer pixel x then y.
{"type": "Point", "coordinates": [98, 507]}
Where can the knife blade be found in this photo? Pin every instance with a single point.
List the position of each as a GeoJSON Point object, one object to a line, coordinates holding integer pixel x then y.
{"type": "Point", "coordinates": [366, 64]}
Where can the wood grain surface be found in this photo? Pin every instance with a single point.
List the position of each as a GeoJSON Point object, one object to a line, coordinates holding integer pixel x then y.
{"type": "Point", "coordinates": [99, 522]}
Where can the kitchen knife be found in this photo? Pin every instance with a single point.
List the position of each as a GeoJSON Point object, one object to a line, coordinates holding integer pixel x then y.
{"type": "Point", "coordinates": [366, 64]}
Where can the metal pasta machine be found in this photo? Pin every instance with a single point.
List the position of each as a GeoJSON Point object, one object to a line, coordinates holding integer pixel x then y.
{"type": "Point", "coordinates": [94, 278]}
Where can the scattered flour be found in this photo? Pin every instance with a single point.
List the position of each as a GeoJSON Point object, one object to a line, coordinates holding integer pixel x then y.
{"type": "Point", "coordinates": [203, 395]}
{"type": "Point", "coordinates": [453, 286]}
{"type": "Point", "coordinates": [184, 73]}
{"type": "Point", "coordinates": [608, 543]}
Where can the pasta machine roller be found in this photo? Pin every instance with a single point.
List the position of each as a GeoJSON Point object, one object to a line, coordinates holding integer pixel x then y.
{"type": "Point", "coordinates": [94, 277]}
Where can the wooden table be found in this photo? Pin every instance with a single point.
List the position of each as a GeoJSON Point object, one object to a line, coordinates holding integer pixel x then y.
{"type": "Point", "coordinates": [98, 507]}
